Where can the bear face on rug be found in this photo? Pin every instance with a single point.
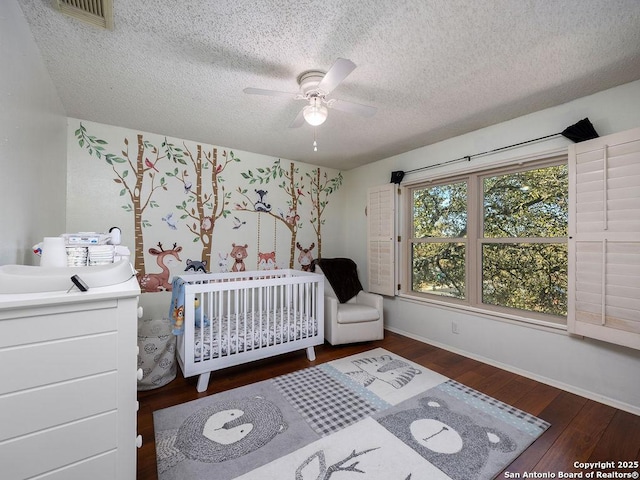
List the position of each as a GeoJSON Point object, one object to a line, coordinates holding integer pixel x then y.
{"type": "Point", "coordinates": [450, 441]}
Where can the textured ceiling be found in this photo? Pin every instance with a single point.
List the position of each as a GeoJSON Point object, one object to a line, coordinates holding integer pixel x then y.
{"type": "Point", "coordinates": [433, 68]}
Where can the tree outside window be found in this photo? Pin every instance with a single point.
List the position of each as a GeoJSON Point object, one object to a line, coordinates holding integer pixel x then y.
{"type": "Point", "coordinates": [513, 257]}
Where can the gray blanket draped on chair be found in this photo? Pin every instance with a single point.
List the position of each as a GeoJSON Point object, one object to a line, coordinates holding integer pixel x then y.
{"type": "Point", "coordinates": [342, 275]}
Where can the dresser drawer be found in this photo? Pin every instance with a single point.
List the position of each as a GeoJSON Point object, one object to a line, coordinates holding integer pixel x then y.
{"type": "Point", "coordinates": [51, 362]}
{"type": "Point", "coordinates": [31, 455]}
{"type": "Point", "coordinates": [37, 409]}
{"type": "Point", "coordinates": [102, 467]}
{"type": "Point", "coordinates": [56, 322]}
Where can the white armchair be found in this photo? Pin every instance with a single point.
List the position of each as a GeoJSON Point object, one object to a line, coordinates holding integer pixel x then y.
{"type": "Point", "coordinates": [356, 319]}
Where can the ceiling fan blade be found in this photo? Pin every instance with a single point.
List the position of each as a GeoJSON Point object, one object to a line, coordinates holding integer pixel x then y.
{"type": "Point", "coordinates": [298, 121]}
{"type": "Point", "coordinates": [336, 74]}
{"type": "Point", "coordinates": [350, 107]}
{"type": "Point", "coordinates": [271, 93]}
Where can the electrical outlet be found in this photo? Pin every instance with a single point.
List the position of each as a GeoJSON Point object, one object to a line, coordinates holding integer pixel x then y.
{"type": "Point", "coordinates": [454, 327]}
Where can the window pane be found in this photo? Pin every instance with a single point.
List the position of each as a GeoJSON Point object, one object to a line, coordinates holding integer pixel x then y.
{"type": "Point", "coordinates": [529, 277]}
{"type": "Point", "coordinates": [527, 204]}
{"type": "Point", "coordinates": [440, 211]}
{"type": "Point", "coordinates": [439, 268]}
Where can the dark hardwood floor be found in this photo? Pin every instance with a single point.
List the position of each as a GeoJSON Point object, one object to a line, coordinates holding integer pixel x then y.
{"type": "Point", "coordinates": [581, 430]}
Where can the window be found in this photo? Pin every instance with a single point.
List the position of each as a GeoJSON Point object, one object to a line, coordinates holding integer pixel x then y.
{"type": "Point", "coordinates": [495, 240]}
{"type": "Point", "coordinates": [439, 242]}
{"type": "Point", "coordinates": [524, 245]}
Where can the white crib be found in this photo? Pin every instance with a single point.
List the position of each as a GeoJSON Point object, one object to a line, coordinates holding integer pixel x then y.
{"type": "Point", "coordinates": [246, 316]}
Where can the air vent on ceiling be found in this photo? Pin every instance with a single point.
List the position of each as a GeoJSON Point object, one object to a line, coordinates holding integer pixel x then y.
{"type": "Point", "coordinates": [95, 12]}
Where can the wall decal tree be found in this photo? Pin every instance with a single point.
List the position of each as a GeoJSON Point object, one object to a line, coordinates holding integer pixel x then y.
{"type": "Point", "coordinates": [320, 187]}
{"type": "Point", "coordinates": [139, 178]}
{"type": "Point", "coordinates": [206, 199]}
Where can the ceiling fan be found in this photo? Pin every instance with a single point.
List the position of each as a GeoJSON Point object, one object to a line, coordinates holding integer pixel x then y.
{"type": "Point", "coordinates": [315, 86]}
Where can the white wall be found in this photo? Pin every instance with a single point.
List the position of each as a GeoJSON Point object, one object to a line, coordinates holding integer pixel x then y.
{"type": "Point", "coordinates": [591, 368]}
{"type": "Point", "coordinates": [32, 143]}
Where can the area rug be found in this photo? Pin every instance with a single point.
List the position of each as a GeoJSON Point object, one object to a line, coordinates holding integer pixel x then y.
{"type": "Point", "coordinates": [373, 415]}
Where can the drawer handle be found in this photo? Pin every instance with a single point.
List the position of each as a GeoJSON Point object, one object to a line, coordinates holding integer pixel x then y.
{"type": "Point", "coordinates": [137, 406]}
{"type": "Point", "coordinates": [138, 441]}
{"type": "Point", "coordinates": [140, 374]}
{"type": "Point", "coordinates": [140, 312]}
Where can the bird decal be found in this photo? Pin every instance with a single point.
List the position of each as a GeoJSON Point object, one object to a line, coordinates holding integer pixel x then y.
{"type": "Point", "coordinates": [170, 221]}
{"type": "Point", "coordinates": [150, 164]}
{"type": "Point", "coordinates": [237, 223]}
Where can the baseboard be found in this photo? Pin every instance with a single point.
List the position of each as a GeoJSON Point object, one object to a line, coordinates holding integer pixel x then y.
{"type": "Point", "coordinates": [525, 373]}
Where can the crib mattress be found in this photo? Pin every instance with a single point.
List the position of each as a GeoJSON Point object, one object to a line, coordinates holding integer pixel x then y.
{"type": "Point", "coordinates": [233, 335]}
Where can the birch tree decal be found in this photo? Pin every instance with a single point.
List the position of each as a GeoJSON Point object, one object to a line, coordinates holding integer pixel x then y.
{"type": "Point", "coordinates": [206, 200]}
{"type": "Point", "coordinates": [290, 185]}
{"type": "Point", "coordinates": [137, 174]}
{"type": "Point", "coordinates": [320, 187]}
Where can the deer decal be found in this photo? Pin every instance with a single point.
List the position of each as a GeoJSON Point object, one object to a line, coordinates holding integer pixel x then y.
{"type": "Point", "coordinates": [306, 256]}
{"type": "Point", "coordinates": [158, 282]}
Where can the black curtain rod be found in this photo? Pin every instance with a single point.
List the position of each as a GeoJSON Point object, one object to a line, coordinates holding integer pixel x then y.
{"type": "Point", "coordinates": [469, 157]}
{"type": "Point", "coordinates": [578, 132]}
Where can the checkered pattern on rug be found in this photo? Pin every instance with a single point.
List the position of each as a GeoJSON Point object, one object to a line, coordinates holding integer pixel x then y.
{"type": "Point", "coordinates": [512, 415]}
{"type": "Point", "coordinates": [354, 386]}
{"type": "Point", "coordinates": [325, 404]}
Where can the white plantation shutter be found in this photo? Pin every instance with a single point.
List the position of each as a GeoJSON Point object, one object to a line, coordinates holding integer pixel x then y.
{"type": "Point", "coordinates": [604, 239]}
{"type": "Point", "coordinates": [380, 233]}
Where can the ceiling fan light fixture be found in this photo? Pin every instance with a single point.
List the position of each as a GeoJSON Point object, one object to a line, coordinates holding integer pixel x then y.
{"type": "Point", "coordinates": [315, 113]}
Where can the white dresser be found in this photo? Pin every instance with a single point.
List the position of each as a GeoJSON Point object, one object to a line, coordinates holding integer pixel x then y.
{"type": "Point", "coordinates": [68, 384]}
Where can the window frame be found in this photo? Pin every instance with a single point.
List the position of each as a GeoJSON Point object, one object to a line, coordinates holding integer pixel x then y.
{"type": "Point", "coordinates": [475, 239]}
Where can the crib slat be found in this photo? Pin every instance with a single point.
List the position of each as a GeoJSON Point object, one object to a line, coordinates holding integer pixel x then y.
{"type": "Point", "coordinates": [244, 319]}
{"type": "Point", "coordinates": [286, 307]}
{"type": "Point", "coordinates": [198, 318]}
{"type": "Point", "coordinates": [278, 312]}
{"type": "Point", "coordinates": [228, 321]}
{"type": "Point", "coordinates": [254, 298]}
{"type": "Point", "coordinates": [220, 303]}
{"type": "Point", "coordinates": [261, 313]}
{"type": "Point", "coordinates": [268, 311]}
{"type": "Point", "coordinates": [210, 314]}
{"type": "Point", "coordinates": [308, 303]}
